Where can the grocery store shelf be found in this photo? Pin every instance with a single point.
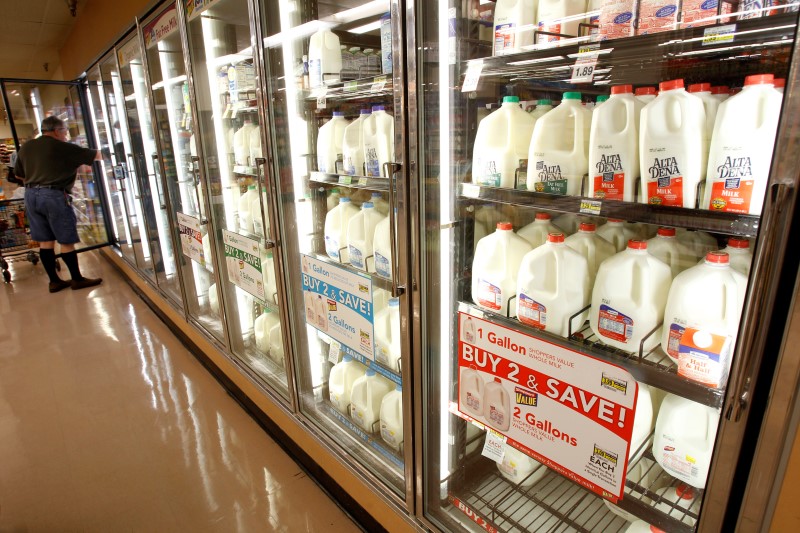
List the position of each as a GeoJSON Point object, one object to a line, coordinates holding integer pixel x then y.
{"type": "Point", "coordinates": [245, 170]}
{"type": "Point", "coordinates": [369, 87]}
{"type": "Point", "coordinates": [698, 219]}
{"type": "Point", "coordinates": [355, 182]}
{"type": "Point", "coordinates": [377, 281]}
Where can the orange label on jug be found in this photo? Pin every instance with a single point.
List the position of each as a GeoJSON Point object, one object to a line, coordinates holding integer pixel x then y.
{"type": "Point", "coordinates": [703, 356]}
{"type": "Point", "coordinates": [732, 195]}
{"type": "Point", "coordinates": [609, 186]}
{"type": "Point", "coordinates": [614, 325]}
{"type": "Point", "coordinates": [532, 312]}
{"type": "Point", "coordinates": [489, 295]}
{"type": "Point", "coordinates": [666, 191]}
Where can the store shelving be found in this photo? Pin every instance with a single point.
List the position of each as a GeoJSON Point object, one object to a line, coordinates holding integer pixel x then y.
{"type": "Point", "coordinates": [378, 86]}
{"type": "Point", "coordinates": [355, 182]}
{"type": "Point", "coordinates": [377, 281]}
{"type": "Point", "coordinates": [374, 441]}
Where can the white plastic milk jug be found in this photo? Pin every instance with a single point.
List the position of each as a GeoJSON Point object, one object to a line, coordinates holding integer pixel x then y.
{"type": "Point", "coordinates": [501, 143]}
{"type": "Point", "coordinates": [780, 84]}
{"type": "Point", "coordinates": [739, 252]}
{"type": "Point", "coordinates": [684, 439]}
{"type": "Point", "coordinates": [276, 343]}
{"type": "Point", "coordinates": [245, 206]}
{"type": "Point", "coordinates": [311, 312]}
{"type": "Point", "coordinates": [365, 400]}
{"type": "Point", "coordinates": [568, 223]}
{"type": "Point", "coordinates": [241, 143]}
{"type": "Point", "coordinates": [268, 275]}
{"type": "Point", "coordinates": [336, 224]}
{"type": "Point", "coordinates": [486, 218]}
{"type": "Point", "coordinates": [324, 58]}
{"type": "Point", "coordinates": [353, 145]}
{"type": "Point", "coordinates": [392, 418]}
{"type": "Point", "coordinates": [710, 105]}
{"type": "Point", "coordinates": [333, 198]}
{"type": "Point", "coordinates": [617, 233]}
{"type": "Point", "coordinates": [537, 231]}
{"type": "Point", "coordinates": [387, 335]}
{"type": "Point", "coordinates": [263, 324]}
{"type": "Point", "coordinates": [519, 468]}
{"type": "Point", "coordinates": [741, 149]}
{"type": "Point", "coordinates": [679, 501]}
{"type": "Point", "coordinates": [513, 25]}
{"type": "Point", "coordinates": [645, 94]}
{"type": "Point", "coordinates": [614, 146]}
{"type": "Point", "coordinates": [495, 267]}
{"type": "Point", "coordinates": [628, 299]}
{"type": "Point", "coordinates": [559, 153]}
{"type": "Point", "coordinates": [721, 93]}
{"type": "Point", "coordinates": [672, 146]}
{"type": "Point", "coordinates": [642, 423]}
{"type": "Point", "coordinates": [255, 144]}
{"type": "Point", "coordinates": [381, 205]}
{"type": "Point", "coordinates": [666, 247]}
{"type": "Point", "coordinates": [640, 526]}
{"type": "Point", "coordinates": [542, 107]}
{"type": "Point", "coordinates": [360, 232]}
{"type": "Point", "coordinates": [470, 391]}
{"type": "Point", "coordinates": [340, 383]}
{"type": "Point", "coordinates": [550, 17]}
{"type": "Point", "coordinates": [699, 243]}
{"type": "Point", "coordinates": [702, 319]}
{"type": "Point", "coordinates": [552, 285]}
{"type": "Point", "coordinates": [382, 248]}
{"type": "Point", "coordinates": [497, 405]}
{"type": "Point", "coordinates": [378, 141]}
{"type": "Point", "coordinates": [591, 246]}
{"type": "Point", "coordinates": [260, 225]}
{"type": "Point", "coordinates": [329, 142]}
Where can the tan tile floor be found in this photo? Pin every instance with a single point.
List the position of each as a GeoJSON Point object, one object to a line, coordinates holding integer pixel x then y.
{"type": "Point", "coordinates": [107, 423]}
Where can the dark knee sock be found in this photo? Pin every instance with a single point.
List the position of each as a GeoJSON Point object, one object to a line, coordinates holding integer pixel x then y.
{"type": "Point", "coordinates": [71, 260]}
{"type": "Point", "coordinates": [49, 263]}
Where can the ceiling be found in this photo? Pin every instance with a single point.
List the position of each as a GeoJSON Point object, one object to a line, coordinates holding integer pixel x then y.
{"type": "Point", "coordinates": [31, 34]}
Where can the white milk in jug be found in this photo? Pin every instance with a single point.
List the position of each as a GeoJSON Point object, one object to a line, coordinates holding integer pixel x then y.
{"type": "Point", "coordinates": [699, 243]}
{"type": "Point", "coordinates": [276, 344]}
{"type": "Point", "coordinates": [365, 400]}
{"type": "Point", "coordinates": [553, 285]}
{"type": "Point", "coordinates": [497, 405]}
{"type": "Point", "coordinates": [241, 143]}
{"type": "Point", "coordinates": [537, 231]}
{"type": "Point", "coordinates": [684, 439]}
{"type": "Point", "coordinates": [738, 251]}
{"type": "Point", "coordinates": [340, 383]}
{"type": "Point", "coordinates": [591, 246]}
{"type": "Point", "coordinates": [642, 423]}
{"type": "Point", "coordinates": [336, 224]}
{"type": "Point", "coordinates": [559, 16]}
{"type": "Point", "coordinates": [672, 147]}
{"type": "Point", "coordinates": [628, 299]}
{"type": "Point", "coordinates": [780, 84]}
{"type": "Point", "coordinates": [329, 142]}
{"type": "Point", "coordinates": [260, 225]}
{"type": "Point", "coordinates": [324, 58]}
{"type": "Point", "coordinates": [378, 141]}
{"type": "Point", "coordinates": [387, 335]}
{"type": "Point", "coordinates": [614, 146]}
{"type": "Point", "coordinates": [360, 232]}
{"type": "Point", "coordinates": [701, 320]}
{"type": "Point", "coordinates": [741, 150]}
{"type": "Point", "coordinates": [679, 502]}
{"type": "Point", "coordinates": [567, 223]}
{"type": "Point", "coordinates": [268, 275]}
{"type": "Point", "coordinates": [640, 526]}
{"type": "Point", "coordinates": [486, 218]}
{"type": "Point", "coordinates": [542, 107]}
{"type": "Point", "coordinates": [470, 391]}
{"type": "Point", "coordinates": [644, 473]}
{"type": "Point", "coordinates": [513, 25]}
{"type": "Point", "coordinates": [495, 267]}
{"type": "Point", "coordinates": [666, 247]}
{"type": "Point", "coordinates": [332, 199]}
{"type": "Point", "coordinates": [382, 248]}
{"type": "Point", "coordinates": [353, 145]}
{"type": "Point", "coordinates": [381, 205]}
{"type": "Point", "coordinates": [710, 105]}
{"type": "Point", "coordinates": [255, 145]}
{"type": "Point", "coordinates": [615, 232]}
{"type": "Point", "coordinates": [519, 468]}
{"type": "Point", "coordinates": [645, 94]}
{"type": "Point", "coordinates": [392, 418]}
{"type": "Point", "coordinates": [721, 92]}
{"type": "Point", "coordinates": [501, 144]}
{"type": "Point", "coordinates": [559, 152]}
{"type": "Point", "coordinates": [245, 206]}
{"type": "Point", "coordinates": [263, 324]}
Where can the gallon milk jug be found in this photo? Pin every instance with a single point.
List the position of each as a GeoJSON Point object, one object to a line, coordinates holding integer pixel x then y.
{"type": "Point", "coordinates": [268, 274]}
{"type": "Point", "coordinates": [710, 105]}
{"type": "Point", "coordinates": [213, 299]}
{"type": "Point", "coordinates": [360, 232]}
{"type": "Point", "coordinates": [721, 93]}
{"type": "Point", "coordinates": [276, 344]}
{"type": "Point", "coordinates": [509, 18]}
{"type": "Point", "coordinates": [741, 150]}
{"type": "Point", "coordinates": [336, 224]}
{"type": "Point", "coordinates": [642, 423]}
{"type": "Point", "coordinates": [245, 204]}
{"type": "Point", "coordinates": [672, 147]}
{"type": "Point", "coordinates": [680, 502]}
{"type": "Point", "coordinates": [591, 246]}
{"type": "Point", "coordinates": [568, 223]}
{"type": "Point", "coordinates": [311, 312]}
{"type": "Point", "coordinates": [366, 398]}
{"type": "Point", "coordinates": [644, 473]}
{"type": "Point", "coordinates": [392, 418]}
{"type": "Point", "coordinates": [321, 312]}
{"type": "Point", "coordinates": [553, 285]}
{"type": "Point", "coordinates": [255, 144]}
{"type": "Point", "coordinates": [387, 335]}
{"type": "Point", "coordinates": [501, 143]}
{"type": "Point", "coordinates": [378, 141]}
{"type": "Point", "coordinates": [615, 232]}
{"type": "Point", "coordinates": [537, 231]}
{"type": "Point", "coordinates": [260, 225]}
{"type": "Point", "coordinates": [340, 383]}
{"type": "Point", "coordinates": [628, 299]}
{"type": "Point", "coordinates": [550, 17]}
{"type": "Point", "coordinates": [559, 152]}
{"type": "Point", "coordinates": [333, 198]}
{"type": "Point", "coordinates": [324, 58]}
{"type": "Point", "coordinates": [382, 248]}
{"type": "Point", "coordinates": [495, 267]}
{"type": "Point", "coordinates": [738, 251]}
{"type": "Point", "coordinates": [684, 439]}
{"type": "Point", "coordinates": [241, 143]}
{"type": "Point", "coordinates": [353, 145]}
{"type": "Point", "coordinates": [646, 94]}
{"type": "Point", "coordinates": [497, 405]}
{"type": "Point", "coordinates": [614, 146]}
{"type": "Point", "coordinates": [702, 319]}
{"type": "Point", "coordinates": [329, 142]}
{"type": "Point", "coordinates": [264, 323]}
{"type": "Point", "coordinates": [542, 107]}
{"type": "Point", "coordinates": [486, 218]}
{"type": "Point", "coordinates": [666, 247]}
{"type": "Point", "coordinates": [381, 205]}
{"type": "Point", "coordinates": [699, 243]}
{"type": "Point", "coordinates": [639, 526]}
{"type": "Point", "coordinates": [519, 468]}
{"type": "Point", "coordinates": [780, 84]}
{"type": "Point", "coordinates": [470, 391]}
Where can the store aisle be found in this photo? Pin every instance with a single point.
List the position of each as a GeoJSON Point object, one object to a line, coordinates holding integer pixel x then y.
{"type": "Point", "coordinates": [108, 423]}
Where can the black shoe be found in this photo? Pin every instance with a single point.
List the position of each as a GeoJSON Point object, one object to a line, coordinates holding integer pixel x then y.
{"type": "Point", "coordinates": [85, 282]}
{"type": "Point", "coordinates": [59, 285]}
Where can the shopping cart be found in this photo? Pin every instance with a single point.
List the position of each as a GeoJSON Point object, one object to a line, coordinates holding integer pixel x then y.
{"type": "Point", "coordinates": [15, 236]}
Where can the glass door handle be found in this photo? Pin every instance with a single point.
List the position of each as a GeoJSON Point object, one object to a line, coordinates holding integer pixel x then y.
{"type": "Point", "coordinates": [158, 189]}
{"type": "Point", "coordinates": [132, 169]}
{"type": "Point", "coordinates": [196, 174]}
{"type": "Point", "coordinates": [261, 163]}
{"type": "Point", "coordinates": [390, 169]}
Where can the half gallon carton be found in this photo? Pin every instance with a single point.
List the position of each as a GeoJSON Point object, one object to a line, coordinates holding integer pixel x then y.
{"type": "Point", "coordinates": [617, 18]}
{"type": "Point", "coordinates": [696, 13]}
{"type": "Point", "coordinates": [494, 270]}
{"type": "Point", "coordinates": [657, 16]}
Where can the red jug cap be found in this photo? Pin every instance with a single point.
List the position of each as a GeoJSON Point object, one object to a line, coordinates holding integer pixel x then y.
{"type": "Point", "coordinates": [670, 85]}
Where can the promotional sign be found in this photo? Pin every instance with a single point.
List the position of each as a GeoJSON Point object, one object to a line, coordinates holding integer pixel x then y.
{"type": "Point", "coordinates": [567, 410]}
{"type": "Point", "coordinates": [243, 262]}
{"type": "Point", "coordinates": [128, 52]}
{"type": "Point", "coordinates": [339, 303]}
{"type": "Point", "coordinates": [162, 27]}
{"type": "Point", "coordinates": [191, 238]}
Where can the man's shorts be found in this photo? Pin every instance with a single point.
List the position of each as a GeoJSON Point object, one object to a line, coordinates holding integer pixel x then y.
{"type": "Point", "coordinates": [51, 216]}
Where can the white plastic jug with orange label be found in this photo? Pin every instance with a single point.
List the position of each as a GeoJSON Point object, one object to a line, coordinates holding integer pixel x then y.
{"type": "Point", "coordinates": [591, 246]}
{"type": "Point", "coordinates": [537, 231]}
{"type": "Point", "coordinates": [617, 233]}
{"type": "Point", "coordinates": [513, 25]}
{"type": "Point", "coordinates": [740, 255]}
{"type": "Point", "coordinates": [495, 268]}
{"type": "Point", "coordinates": [470, 391]}
{"type": "Point", "coordinates": [501, 144]}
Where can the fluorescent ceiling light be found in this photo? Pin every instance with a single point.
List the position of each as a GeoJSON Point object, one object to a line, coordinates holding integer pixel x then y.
{"type": "Point", "coordinates": [367, 27]}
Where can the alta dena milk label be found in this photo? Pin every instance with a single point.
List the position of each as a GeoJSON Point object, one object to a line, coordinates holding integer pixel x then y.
{"type": "Point", "coordinates": [487, 173]}
{"type": "Point", "coordinates": [732, 188]}
{"type": "Point", "coordinates": [549, 178]}
{"type": "Point", "coordinates": [609, 177]}
{"type": "Point", "coordinates": [665, 182]}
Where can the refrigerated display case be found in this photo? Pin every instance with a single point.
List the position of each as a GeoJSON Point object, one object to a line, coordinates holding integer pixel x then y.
{"type": "Point", "coordinates": [528, 427]}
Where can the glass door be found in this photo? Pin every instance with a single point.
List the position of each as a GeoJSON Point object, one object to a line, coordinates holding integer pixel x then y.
{"type": "Point", "coordinates": [336, 88]}
{"type": "Point", "coordinates": [180, 167]}
{"type": "Point", "coordinates": [591, 190]}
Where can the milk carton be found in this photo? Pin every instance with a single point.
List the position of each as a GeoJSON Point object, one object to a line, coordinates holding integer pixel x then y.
{"type": "Point", "coordinates": [263, 324]}
{"type": "Point", "coordinates": [542, 107]}
{"type": "Point", "coordinates": [559, 153]}
{"type": "Point", "coordinates": [324, 58]}
{"type": "Point", "coordinates": [365, 400]}
{"type": "Point", "coordinates": [645, 94]}
{"type": "Point", "coordinates": [553, 285]}
{"type": "Point", "coordinates": [591, 246]}
{"type": "Point", "coordinates": [741, 150]}
{"type": "Point", "coordinates": [378, 141]}
{"type": "Point", "coordinates": [392, 418]}
{"type": "Point", "coordinates": [501, 144]}
{"type": "Point", "coordinates": [699, 243]}
{"type": "Point", "coordinates": [360, 232]}
{"type": "Point", "coordinates": [386, 43]}
{"type": "Point", "coordinates": [519, 468]}
{"type": "Point", "coordinates": [672, 147]}
{"type": "Point", "coordinates": [614, 146]}
{"type": "Point", "coordinates": [684, 439]}
{"type": "Point", "coordinates": [495, 267]}
{"type": "Point", "coordinates": [702, 319]}
{"type": "Point", "coordinates": [470, 392]}
{"type": "Point", "coordinates": [559, 16]}
{"type": "Point", "coordinates": [353, 145]}
{"type": "Point", "coordinates": [628, 299]}
{"type": "Point", "coordinates": [387, 335]}
{"type": "Point", "coordinates": [276, 344]}
{"type": "Point", "coordinates": [245, 206]}
{"type": "Point", "coordinates": [617, 18]}
{"type": "Point", "coordinates": [336, 224]}
{"type": "Point", "coordinates": [340, 383]}
{"type": "Point", "coordinates": [382, 248]}
{"type": "Point", "coordinates": [695, 13]}
{"type": "Point", "coordinates": [615, 232]}
{"type": "Point", "coordinates": [329, 142]}
{"type": "Point", "coordinates": [513, 25]}
{"type": "Point", "coordinates": [497, 405]}
{"type": "Point", "coordinates": [738, 251]}
{"type": "Point", "coordinates": [666, 247]}
{"type": "Point", "coordinates": [680, 502]}
{"type": "Point", "coordinates": [656, 16]}
{"type": "Point", "coordinates": [537, 231]}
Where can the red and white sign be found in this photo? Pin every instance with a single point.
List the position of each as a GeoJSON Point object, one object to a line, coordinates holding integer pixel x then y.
{"type": "Point", "coordinates": [570, 411]}
{"type": "Point", "coordinates": [159, 29]}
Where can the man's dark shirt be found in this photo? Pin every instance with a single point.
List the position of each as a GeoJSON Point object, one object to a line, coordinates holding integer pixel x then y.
{"type": "Point", "coordinates": [48, 161]}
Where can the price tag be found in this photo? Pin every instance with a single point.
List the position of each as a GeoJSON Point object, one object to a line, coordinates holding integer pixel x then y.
{"type": "Point", "coordinates": [719, 34]}
{"type": "Point", "coordinates": [378, 84]}
{"type": "Point", "coordinates": [472, 77]}
{"type": "Point", "coordinates": [322, 102]}
{"type": "Point", "coordinates": [333, 354]}
{"type": "Point", "coordinates": [493, 447]}
{"type": "Point", "coordinates": [591, 207]}
{"type": "Point", "coordinates": [351, 86]}
{"type": "Point", "coordinates": [470, 190]}
{"type": "Point", "coordinates": [584, 67]}
{"type": "Point", "coordinates": [363, 181]}
{"type": "Point", "coordinates": [345, 180]}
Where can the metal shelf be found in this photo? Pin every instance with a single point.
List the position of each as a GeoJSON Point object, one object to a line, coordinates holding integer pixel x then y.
{"type": "Point", "coordinates": [355, 182]}
{"type": "Point", "coordinates": [374, 441]}
{"type": "Point", "coordinates": [369, 87]}
{"type": "Point", "coordinates": [377, 281]}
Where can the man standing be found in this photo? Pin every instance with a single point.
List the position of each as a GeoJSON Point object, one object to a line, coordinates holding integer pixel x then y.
{"type": "Point", "coordinates": [48, 165]}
